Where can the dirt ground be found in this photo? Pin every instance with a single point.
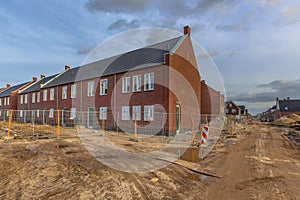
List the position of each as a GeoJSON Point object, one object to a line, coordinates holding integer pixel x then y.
{"type": "Point", "coordinates": [263, 162]}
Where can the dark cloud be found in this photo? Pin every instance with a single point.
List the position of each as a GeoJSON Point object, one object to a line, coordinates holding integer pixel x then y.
{"type": "Point", "coordinates": [124, 24]}
{"type": "Point", "coordinates": [83, 50]}
{"type": "Point", "coordinates": [117, 6]}
{"type": "Point", "coordinates": [278, 88]}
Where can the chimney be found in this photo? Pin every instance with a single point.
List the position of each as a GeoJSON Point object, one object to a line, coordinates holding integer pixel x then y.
{"type": "Point", "coordinates": [67, 67]}
{"type": "Point", "coordinates": [7, 85]}
{"type": "Point", "coordinates": [167, 59]}
{"type": "Point", "coordinates": [288, 98]}
{"type": "Point", "coordinates": [42, 76]}
{"type": "Point", "coordinates": [187, 30]}
{"type": "Point", "coordinates": [34, 79]}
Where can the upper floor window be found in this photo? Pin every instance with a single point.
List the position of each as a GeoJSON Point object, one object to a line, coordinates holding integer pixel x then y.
{"type": "Point", "coordinates": [25, 98]}
{"type": "Point", "coordinates": [64, 92]}
{"type": "Point", "coordinates": [22, 99]}
{"type": "Point", "coordinates": [149, 81]}
{"type": "Point", "coordinates": [33, 98]}
{"type": "Point", "coordinates": [38, 97]}
{"type": "Point", "coordinates": [91, 89]}
{"type": "Point", "coordinates": [8, 101]}
{"type": "Point", "coordinates": [73, 91]}
{"type": "Point", "coordinates": [0, 102]}
{"type": "Point", "coordinates": [126, 85]}
{"type": "Point", "coordinates": [4, 101]}
{"type": "Point", "coordinates": [137, 83]}
{"type": "Point", "coordinates": [103, 87]}
{"type": "Point", "coordinates": [51, 94]}
{"type": "Point", "coordinates": [45, 92]}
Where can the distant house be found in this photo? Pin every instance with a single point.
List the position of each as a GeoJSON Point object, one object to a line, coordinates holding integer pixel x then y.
{"type": "Point", "coordinates": [268, 115]}
{"type": "Point", "coordinates": [287, 106]}
{"type": "Point", "coordinates": [9, 97]}
{"type": "Point", "coordinates": [231, 109]}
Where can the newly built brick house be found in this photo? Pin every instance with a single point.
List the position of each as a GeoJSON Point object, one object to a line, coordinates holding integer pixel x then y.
{"type": "Point", "coordinates": [29, 101]}
{"type": "Point", "coordinates": [159, 84]}
{"type": "Point", "coordinates": [9, 97]}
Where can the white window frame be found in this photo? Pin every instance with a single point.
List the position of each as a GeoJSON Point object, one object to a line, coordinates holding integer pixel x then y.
{"type": "Point", "coordinates": [33, 98]}
{"type": "Point", "coordinates": [149, 81]}
{"type": "Point", "coordinates": [137, 83]}
{"type": "Point", "coordinates": [25, 98]}
{"type": "Point", "coordinates": [37, 113]}
{"type": "Point", "coordinates": [103, 87]}
{"type": "Point", "coordinates": [51, 113]}
{"type": "Point", "coordinates": [91, 89]}
{"type": "Point", "coordinates": [73, 113]}
{"type": "Point", "coordinates": [38, 97]}
{"type": "Point", "coordinates": [136, 109]}
{"type": "Point", "coordinates": [103, 111]}
{"type": "Point", "coordinates": [73, 91]}
{"type": "Point", "coordinates": [52, 94]}
{"type": "Point", "coordinates": [64, 92]}
{"type": "Point", "coordinates": [149, 113]}
{"type": "Point", "coordinates": [8, 101]}
{"type": "Point", "coordinates": [4, 101]}
{"type": "Point", "coordinates": [21, 113]}
{"type": "Point", "coordinates": [21, 99]}
{"type": "Point", "coordinates": [125, 113]}
{"type": "Point", "coordinates": [45, 94]}
{"type": "Point", "coordinates": [126, 84]}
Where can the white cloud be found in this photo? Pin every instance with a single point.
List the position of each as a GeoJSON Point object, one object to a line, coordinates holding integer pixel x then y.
{"type": "Point", "coordinates": [289, 15]}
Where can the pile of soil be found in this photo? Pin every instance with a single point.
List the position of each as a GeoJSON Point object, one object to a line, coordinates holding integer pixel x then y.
{"type": "Point", "coordinates": [288, 120]}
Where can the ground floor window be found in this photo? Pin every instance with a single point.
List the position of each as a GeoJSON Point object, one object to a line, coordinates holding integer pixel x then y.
{"type": "Point", "coordinates": [136, 112]}
{"type": "Point", "coordinates": [103, 113]}
{"type": "Point", "coordinates": [51, 113]}
{"type": "Point", "coordinates": [125, 113]}
{"type": "Point", "coordinates": [148, 113]}
{"type": "Point", "coordinates": [73, 113]}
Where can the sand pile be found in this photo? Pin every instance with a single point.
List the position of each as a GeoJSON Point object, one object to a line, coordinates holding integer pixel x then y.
{"type": "Point", "coordinates": [291, 119]}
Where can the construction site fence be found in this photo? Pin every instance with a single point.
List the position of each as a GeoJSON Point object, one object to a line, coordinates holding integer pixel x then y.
{"type": "Point", "coordinates": [63, 123]}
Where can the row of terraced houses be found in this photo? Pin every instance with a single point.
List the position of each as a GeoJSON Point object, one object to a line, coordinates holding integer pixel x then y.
{"type": "Point", "coordinates": [139, 84]}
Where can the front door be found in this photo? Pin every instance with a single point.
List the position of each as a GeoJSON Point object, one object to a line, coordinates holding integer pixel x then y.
{"type": "Point", "coordinates": [90, 117]}
{"type": "Point", "coordinates": [178, 117]}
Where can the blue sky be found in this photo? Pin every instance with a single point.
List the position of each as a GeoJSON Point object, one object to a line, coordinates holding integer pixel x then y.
{"type": "Point", "coordinates": [254, 43]}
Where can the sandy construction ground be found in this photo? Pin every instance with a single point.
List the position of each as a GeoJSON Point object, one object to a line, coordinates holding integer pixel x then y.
{"type": "Point", "coordinates": [261, 163]}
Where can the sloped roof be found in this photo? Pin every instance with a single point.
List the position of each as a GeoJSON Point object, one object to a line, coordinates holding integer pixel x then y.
{"type": "Point", "coordinates": [36, 86]}
{"type": "Point", "coordinates": [137, 59]}
{"type": "Point", "coordinates": [289, 105]}
{"type": "Point", "coordinates": [11, 89]}
{"type": "Point", "coordinates": [234, 104]}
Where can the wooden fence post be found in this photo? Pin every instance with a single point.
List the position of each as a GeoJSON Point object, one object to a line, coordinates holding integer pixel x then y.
{"type": "Point", "coordinates": [58, 124]}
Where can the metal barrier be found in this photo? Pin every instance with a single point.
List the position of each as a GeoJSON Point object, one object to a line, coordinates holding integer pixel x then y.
{"type": "Point", "coordinates": [63, 123]}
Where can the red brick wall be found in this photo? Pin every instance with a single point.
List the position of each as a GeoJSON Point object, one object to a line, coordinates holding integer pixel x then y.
{"type": "Point", "coordinates": [212, 100]}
